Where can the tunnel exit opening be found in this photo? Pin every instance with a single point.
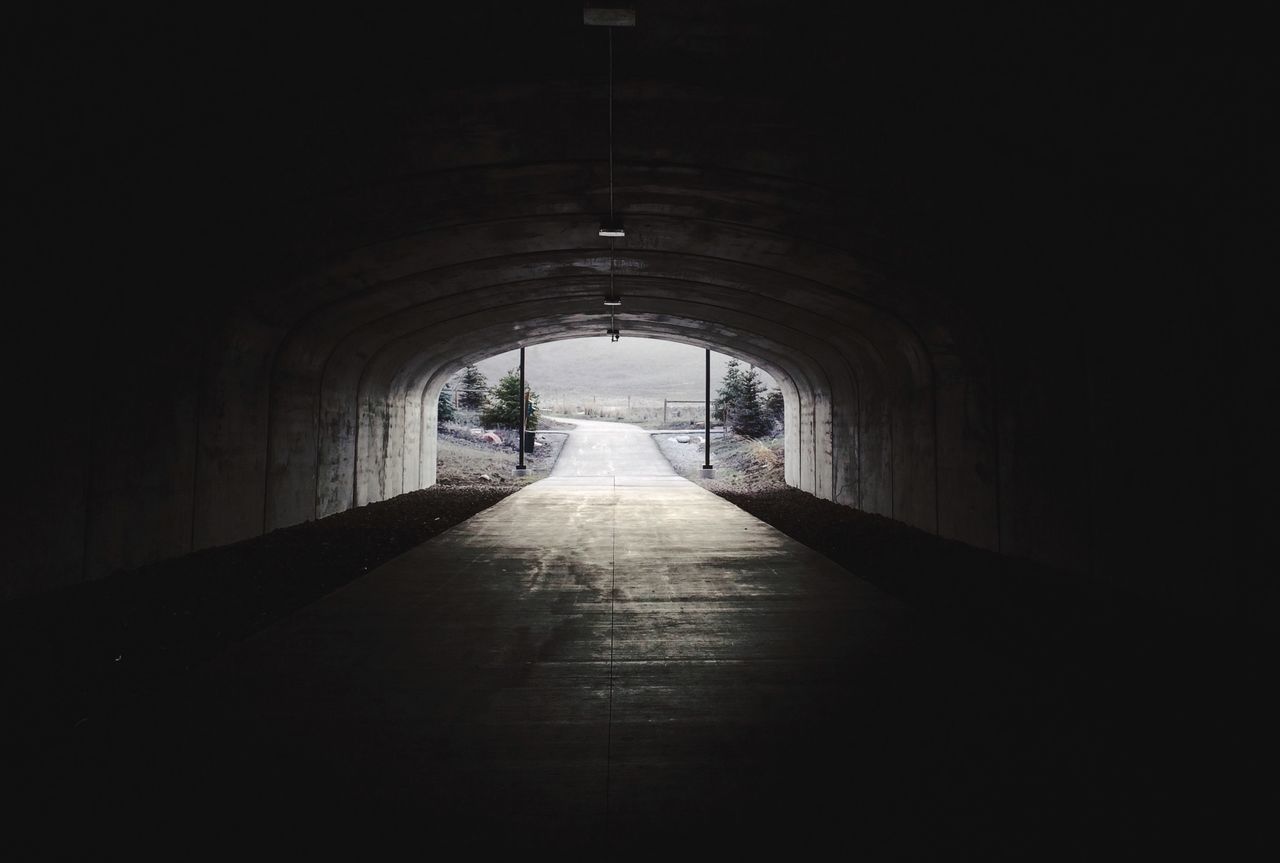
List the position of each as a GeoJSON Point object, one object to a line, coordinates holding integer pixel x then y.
{"type": "Point", "coordinates": [665, 388]}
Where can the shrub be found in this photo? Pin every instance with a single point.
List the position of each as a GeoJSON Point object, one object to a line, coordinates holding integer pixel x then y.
{"type": "Point", "coordinates": [503, 409]}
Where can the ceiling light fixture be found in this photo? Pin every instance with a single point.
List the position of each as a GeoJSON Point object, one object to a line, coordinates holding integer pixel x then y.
{"type": "Point", "coordinates": [612, 226]}
{"type": "Point", "coordinates": [594, 16]}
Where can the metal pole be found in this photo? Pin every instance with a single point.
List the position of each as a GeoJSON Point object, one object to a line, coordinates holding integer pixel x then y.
{"type": "Point", "coordinates": [524, 410]}
{"type": "Point", "coordinates": [707, 463]}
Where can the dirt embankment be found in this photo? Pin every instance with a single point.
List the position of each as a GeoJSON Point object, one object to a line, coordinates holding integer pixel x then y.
{"type": "Point", "coordinates": [464, 458]}
{"type": "Point", "coordinates": [742, 464]}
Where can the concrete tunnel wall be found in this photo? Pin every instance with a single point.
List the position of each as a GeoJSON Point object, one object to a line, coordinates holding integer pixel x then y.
{"type": "Point", "coordinates": [264, 303]}
{"type": "Point", "coordinates": [338, 409]}
{"type": "Point", "coordinates": [325, 410]}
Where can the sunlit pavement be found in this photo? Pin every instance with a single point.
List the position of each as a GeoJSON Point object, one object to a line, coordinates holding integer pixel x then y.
{"type": "Point", "coordinates": [609, 449]}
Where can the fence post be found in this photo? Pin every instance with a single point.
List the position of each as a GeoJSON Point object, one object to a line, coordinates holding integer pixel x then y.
{"type": "Point", "coordinates": [524, 400]}
{"type": "Point", "coordinates": [707, 470]}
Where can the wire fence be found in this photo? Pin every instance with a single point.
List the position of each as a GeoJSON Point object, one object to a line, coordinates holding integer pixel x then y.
{"type": "Point", "coordinates": [627, 409]}
{"type": "Point", "coordinates": [634, 409]}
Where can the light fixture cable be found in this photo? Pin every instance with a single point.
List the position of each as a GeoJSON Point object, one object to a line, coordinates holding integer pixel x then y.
{"type": "Point", "coordinates": [612, 302]}
{"type": "Point", "coordinates": [610, 125]}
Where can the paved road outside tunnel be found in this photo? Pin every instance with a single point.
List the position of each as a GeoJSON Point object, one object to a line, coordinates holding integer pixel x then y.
{"type": "Point", "coordinates": [599, 448]}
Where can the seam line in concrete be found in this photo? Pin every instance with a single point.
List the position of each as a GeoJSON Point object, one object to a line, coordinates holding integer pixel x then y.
{"type": "Point", "coordinates": [613, 595]}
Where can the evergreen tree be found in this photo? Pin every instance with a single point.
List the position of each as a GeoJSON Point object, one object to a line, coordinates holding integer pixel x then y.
{"type": "Point", "coordinates": [730, 391]}
{"type": "Point", "coordinates": [473, 391]}
{"type": "Point", "coordinates": [503, 410]}
{"type": "Point", "coordinates": [445, 411]}
{"type": "Point", "coordinates": [774, 407]}
{"type": "Point", "coordinates": [739, 395]}
{"type": "Point", "coordinates": [750, 419]}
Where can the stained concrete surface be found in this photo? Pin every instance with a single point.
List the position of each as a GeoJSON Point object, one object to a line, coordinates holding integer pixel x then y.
{"type": "Point", "coordinates": [610, 660]}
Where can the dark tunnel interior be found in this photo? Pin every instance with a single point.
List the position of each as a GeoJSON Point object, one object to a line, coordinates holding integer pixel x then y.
{"type": "Point", "coordinates": [1011, 265]}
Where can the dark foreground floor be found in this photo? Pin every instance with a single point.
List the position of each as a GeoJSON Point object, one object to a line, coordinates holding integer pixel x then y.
{"type": "Point", "coordinates": [666, 699]}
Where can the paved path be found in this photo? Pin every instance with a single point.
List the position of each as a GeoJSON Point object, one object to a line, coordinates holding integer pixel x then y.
{"type": "Point", "coordinates": [598, 449]}
{"type": "Point", "coordinates": [612, 658]}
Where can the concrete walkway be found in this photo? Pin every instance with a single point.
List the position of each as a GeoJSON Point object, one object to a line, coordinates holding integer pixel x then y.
{"type": "Point", "coordinates": [597, 449]}
{"type": "Point", "coordinates": [612, 658]}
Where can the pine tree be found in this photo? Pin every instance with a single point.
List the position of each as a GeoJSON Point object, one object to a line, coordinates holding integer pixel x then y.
{"type": "Point", "coordinates": [503, 410]}
{"type": "Point", "coordinates": [739, 394]}
{"type": "Point", "coordinates": [473, 391]}
{"type": "Point", "coordinates": [774, 407]}
{"type": "Point", "coordinates": [445, 411]}
{"type": "Point", "coordinates": [730, 391]}
{"type": "Point", "coordinates": [750, 419]}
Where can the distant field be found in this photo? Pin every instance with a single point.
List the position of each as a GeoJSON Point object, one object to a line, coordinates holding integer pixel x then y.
{"type": "Point", "coordinates": [581, 374]}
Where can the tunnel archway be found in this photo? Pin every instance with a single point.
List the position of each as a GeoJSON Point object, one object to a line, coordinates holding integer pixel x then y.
{"type": "Point", "coordinates": [277, 257]}
{"type": "Point", "coordinates": [316, 390]}
{"type": "Point", "coordinates": [371, 385]}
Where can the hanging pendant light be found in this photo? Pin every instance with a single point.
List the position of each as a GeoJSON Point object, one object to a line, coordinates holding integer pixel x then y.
{"type": "Point", "coordinates": [611, 227]}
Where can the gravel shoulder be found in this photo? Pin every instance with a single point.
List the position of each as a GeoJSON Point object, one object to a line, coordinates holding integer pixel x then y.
{"type": "Point", "coordinates": [1007, 603]}
{"type": "Point", "coordinates": [1114, 669]}
{"type": "Point", "coordinates": [75, 653]}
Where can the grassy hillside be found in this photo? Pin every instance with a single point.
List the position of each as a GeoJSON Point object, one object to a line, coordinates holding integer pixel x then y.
{"type": "Point", "coordinates": [575, 371]}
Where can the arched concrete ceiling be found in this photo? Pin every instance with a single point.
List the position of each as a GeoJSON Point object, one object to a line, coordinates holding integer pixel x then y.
{"type": "Point", "coordinates": [940, 226]}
